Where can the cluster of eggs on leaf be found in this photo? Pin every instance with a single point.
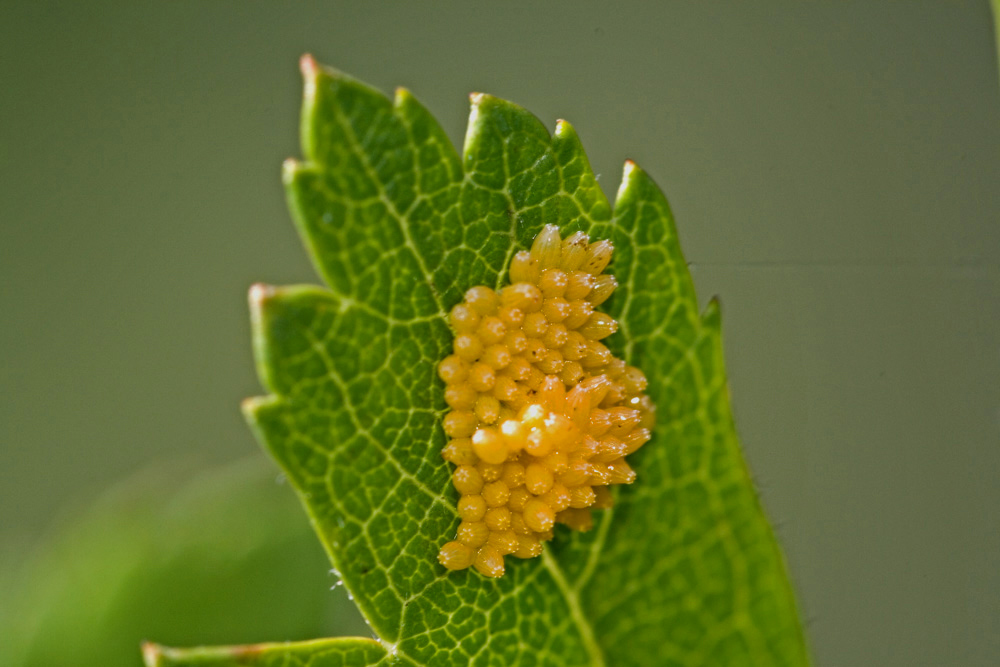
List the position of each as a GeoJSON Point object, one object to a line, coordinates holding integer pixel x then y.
{"type": "Point", "coordinates": [542, 414]}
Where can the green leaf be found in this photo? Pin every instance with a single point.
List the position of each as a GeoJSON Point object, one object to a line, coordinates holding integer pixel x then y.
{"type": "Point", "coordinates": [683, 571]}
{"type": "Point", "coordinates": [995, 6]}
{"type": "Point", "coordinates": [221, 554]}
{"type": "Point", "coordinates": [344, 652]}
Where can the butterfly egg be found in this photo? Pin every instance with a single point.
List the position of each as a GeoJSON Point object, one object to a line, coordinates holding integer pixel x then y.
{"type": "Point", "coordinates": [518, 401]}
{"type": "Point", "coordinates": [471, 508]}
{"type": "Point", "coordinates": [623, 419]}
{"type": "Point", "coordinates": [634, 380]}
{"type": "Point", "coordinates": [489, 561]}
{"type": "Point", "coordinates": [505, 390]}
{"type": "Point", "coordinates": [489, 446]}
{"type": "Point", "coordinates": [468, 347]}
{"type": "Point", "coordinates": [572, 372]}
{"type": "Point", "coordinates": [506, 414]}
{"type": "Point", "coordinates": [538, 444]}
{"type": "Point", "coordinates": [535, 376]}
{"type": "Point", "coordinates": [523, 269]}
{"type": "Point", "coordinates": [576, 473]}
{"type": "Point", "coordinates": [511, 317]}
{"type": "Point", "coordinates": [490, 472]}
{"type": "Point", "coordinates": [473, 533]}
{"type": "Point", "coordinates": [598, 256]}
{"type": "Point", "coordinates": [551, 362]}
{"type": "Point", "coordinates": [547, 247]}
{"type": "Point", "coordinates": [460, 424]}
{"type": "Point", "coordinates": [602, 498]}
{"type": "Point", "coordinates": [515, 433]}
{"type": "Point", "coordinates": [537, 478]}
{"type": "Point", "coordinates": [515, 503]}
{"type": "Point", "coordinates": [620, 472]}
{"type": "Point", "coordinates": [604, 286]}
{"type": "Point", "coordinates": [535, 325]}
{"type": "Point", "coordinates": [558, 498]}
{"type": "Point", "coordinates": [560, 430]}
{"type": "Point", "coordinates": [580, 311]}
{"type": "Point", "coordinates": [552, 394]}
{"type": "Point", "coordinates": [574, 251]}
{"type": "Point", "coordinates": [538, 516]}
{"type": "Point", "coordinates": [483, 300]}
{"type": "Point", "coordinates": [555, 337]}
{"type": "Point", "coordinates": [497, 357]}
{"type": "Point", "coordinates": [581, 496]}
{"type": "Point", "coordinates": [498, 518]}
{"type": "Point", "coordinates": [557, 462]}
{"type": "Point", "coordinates": [504, 541]}
{"type": "Point", "coordinates": [599, 326]}
{"type": "Point", "coordinates": [452, 369]}
{"type": "Point", "coordinates": [482, 377]}
{"type": "Point", "coordinates": [467, 480]}
{"type": "Point", "coordinates": [614, 396]}
{"type": "Point", "coordinates": [487, 408]}
{"type": "Point", "coordinates": [513, 474]}
{"type": "Point", "coordinates": [533, 416]}
{"type": "Point", "coordinates": [575, 347]}
{"type": "Point", "coordinates": [596, 356]}
{"type": "Point", "coordinates": [587, 448]}
{"type": "Point", "coordinates": [459, 451]}
{"type": "Point", "coordinates": [463, 318]}
{"type": "Point", "coordinates": [578, 285]}
{"type": "Point", "coordinates": [577, 519]}
{"type": "Point", "coordinates": [491, 330]}
{"type": "Point", "coordinates": [578, 406]}
{"type": "Point", "coordinates": [518, 369]}
{"type": "Point", "coordinates": [597, 386]}
{"type": "Point", "coordinates": [496, 494]}
{"type": "Point", "coordinates": [636, 439]}
{"type": "Point", "coordinates": [553, 283]}
{"type": "Point", "coordinates": [515, 342]}
{"type": "Point", "coordinates": [555, 309]}
{"type": "Point", "coordinates": [456, 556]}
{"type": "Point", "coordinates": [526, 297]}
{"type": "Point", "coordinates": [460, 396]}
{"type": "Point", "coordinates": [598, 474]}
{"type": "Point", "coordinates": [611, 449]}
{"type": "Point", "coordinates": [528, 546]}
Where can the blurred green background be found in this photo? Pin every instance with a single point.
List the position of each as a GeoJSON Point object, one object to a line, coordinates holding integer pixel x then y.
{"type": "Point", "coordinates": [835, 172]}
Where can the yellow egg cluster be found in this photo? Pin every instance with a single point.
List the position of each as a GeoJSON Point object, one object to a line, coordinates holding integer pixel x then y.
{"type": "Point", "coordinates": [542, 413]}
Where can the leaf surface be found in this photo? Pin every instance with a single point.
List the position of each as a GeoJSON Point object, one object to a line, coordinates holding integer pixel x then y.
{"type": "Point", "coordinates": [683, 571]}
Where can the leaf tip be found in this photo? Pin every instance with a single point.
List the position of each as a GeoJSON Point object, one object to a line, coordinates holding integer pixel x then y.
{"type": "Point", "coordinates": [308, 66]}
{"type": "Point", "coordinates": [249, 405]}
{"type": "Point", "coordinates": [151, 654]}
{"type": "Point", "coordinates": [629, 173]}
{"type": "Point", "coordinates": [564, 129]}
{"type": "Point", "coordinates": [259, 293]}
{"type": "Point", "coordinates": [403, 96]}
{"type": "Point", "coordinates": [288, 169]}
{"type": "Point", "coordinates": [712, 316]}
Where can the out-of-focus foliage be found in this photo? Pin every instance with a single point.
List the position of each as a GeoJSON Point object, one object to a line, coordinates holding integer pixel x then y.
{"type": "Point", "coordinates": [223, 556]}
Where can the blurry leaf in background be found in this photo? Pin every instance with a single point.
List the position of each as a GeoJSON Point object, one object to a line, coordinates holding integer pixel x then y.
{"type": "Point", "coordinates": [219, 556]}
{"type": "Point", "coordinates": [995, 5]}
